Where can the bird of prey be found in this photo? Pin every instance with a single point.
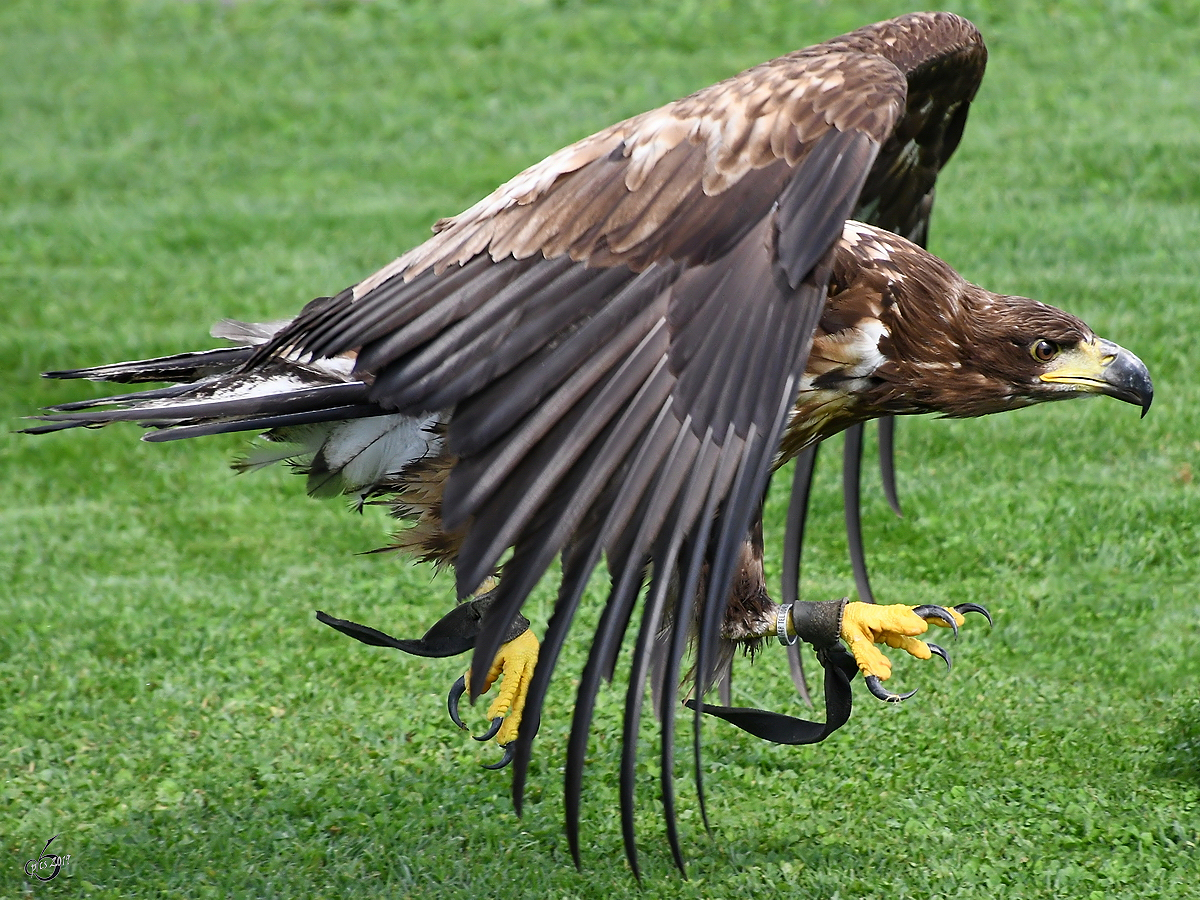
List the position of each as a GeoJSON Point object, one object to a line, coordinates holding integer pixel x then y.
{"type": "Point", "coordinates": [608, 357]}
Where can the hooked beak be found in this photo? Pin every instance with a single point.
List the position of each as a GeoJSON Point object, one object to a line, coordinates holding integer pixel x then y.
{"type": "Point", "coordinates": [1102, 367]}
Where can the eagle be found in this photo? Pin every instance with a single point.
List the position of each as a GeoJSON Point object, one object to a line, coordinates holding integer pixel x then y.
{"type": "Point", "coordinates": [605, 361]}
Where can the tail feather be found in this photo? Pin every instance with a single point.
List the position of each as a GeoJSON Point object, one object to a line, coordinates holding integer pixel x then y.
{"type": "Point", "coordinates": [248, 334]}
{"type": "Point", "coordinates": [174, 390]}
{"type": "Point", "coordinates": [185, 368]}
{"type": "Point", "coordinates": [316, 415]}
{"type": "Point", "coordinates": [242, 398]}
{"type": "Point", "coordinates": [280, 423]}
{"type": "Point", "coordinates": [301, 442]}
{"type": "Point", "coordinates": [182, 367]}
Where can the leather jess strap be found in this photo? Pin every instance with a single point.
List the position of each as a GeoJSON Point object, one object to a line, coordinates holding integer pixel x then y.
{"type": "Point", "coordinates": [456, 633]}
{"type": "Point", "coordinates": [840, 669]}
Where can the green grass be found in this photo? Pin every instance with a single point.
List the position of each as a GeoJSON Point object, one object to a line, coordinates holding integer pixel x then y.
{"type": "Point", "coordinates": [173, 710]}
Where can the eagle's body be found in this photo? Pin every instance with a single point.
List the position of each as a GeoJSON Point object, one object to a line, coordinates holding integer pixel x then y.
{"type": "Point", "coordinates": [610, 355]}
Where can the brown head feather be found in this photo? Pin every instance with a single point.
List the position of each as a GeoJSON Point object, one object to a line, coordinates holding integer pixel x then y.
{"type": "Point", "coordinates": [903, 333]}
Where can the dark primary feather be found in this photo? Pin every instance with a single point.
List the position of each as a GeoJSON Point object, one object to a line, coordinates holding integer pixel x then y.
{"type": "Point", "coordinates": [898, 197]}
{"type": "Point", "coordinates": [851, 503]}
{"type": "Point", "coordinates": [887, 458]}
{"type": "Point", "coordinates": [793, 544]}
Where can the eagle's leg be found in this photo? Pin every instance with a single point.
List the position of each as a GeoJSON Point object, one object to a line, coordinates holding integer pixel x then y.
{"type": "Point", "coordinates": [863, 625]}
{"type": "Point", "coordinates": [456, 633]}
{"type": "Point", "coordinates": [751, 618]}
{"type": "Point", "coordinates": [515, 660]}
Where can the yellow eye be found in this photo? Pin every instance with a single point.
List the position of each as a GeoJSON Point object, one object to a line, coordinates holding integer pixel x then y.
{"type": "Point", "coordinates": [1044, 351]}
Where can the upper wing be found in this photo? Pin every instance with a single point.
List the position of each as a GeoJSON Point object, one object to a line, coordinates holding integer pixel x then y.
{"type": "Point", "coordinates": [943, 59]}
{"type": "Point", "coordinates": [620, 331]}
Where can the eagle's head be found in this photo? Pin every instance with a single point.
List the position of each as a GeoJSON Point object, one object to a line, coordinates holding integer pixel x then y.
{"type": "Point", "coordinates": [977, 352]}
{"type": "Point", "coordinates": [903, 333]}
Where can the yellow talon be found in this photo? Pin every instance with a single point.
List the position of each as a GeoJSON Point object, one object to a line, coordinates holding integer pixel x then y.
{"type": "Point", "coordinates": [866, 624]}
{"type": "Point", "coordinates": [515, 660]}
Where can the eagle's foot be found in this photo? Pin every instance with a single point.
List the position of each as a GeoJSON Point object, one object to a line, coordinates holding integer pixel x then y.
{"type": "Point", "coordinates": [866, 624]}
{"type": "Point", "coordinates": [515, 661]}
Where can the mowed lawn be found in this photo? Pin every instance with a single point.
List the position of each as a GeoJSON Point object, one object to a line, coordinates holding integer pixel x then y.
{"type": "Point", "coordinates": [175, 714]}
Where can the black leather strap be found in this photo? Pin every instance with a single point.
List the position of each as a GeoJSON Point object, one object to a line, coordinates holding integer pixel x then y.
{"type": "Point", "coordinates": [819, 622]}
{"type": "Point", "coordinates": [454, 633]}
{"type": "Point", "coordinates": [840, 669]}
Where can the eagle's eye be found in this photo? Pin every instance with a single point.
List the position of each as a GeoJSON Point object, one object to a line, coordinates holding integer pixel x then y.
{"type": "Point", "coordinates": [1044, 351]}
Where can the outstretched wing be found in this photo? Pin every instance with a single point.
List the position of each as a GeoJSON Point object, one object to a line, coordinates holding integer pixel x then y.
{"type": "Point", "coordinates": [620, 331]}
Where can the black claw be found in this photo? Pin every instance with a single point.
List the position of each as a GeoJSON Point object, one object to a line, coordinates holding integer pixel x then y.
{"type": "Point", "coordinates": [929, 611]}
{"type": "Point", "coordinates": [510, 751]}
{"type": "Point", "coordinates": [875, 686]}
{"type": "Point", "coordinates": [963, 608]}
{"type": "Point", "coordinates": [456, 691]}
{"type": "Point", "coordinates": [491, 732]}
{"type": "Point", "coordinates": [939, 651]}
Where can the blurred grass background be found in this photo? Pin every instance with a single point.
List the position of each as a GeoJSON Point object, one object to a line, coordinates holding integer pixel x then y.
{"type": "Point", "coordinates": [174, 712]}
